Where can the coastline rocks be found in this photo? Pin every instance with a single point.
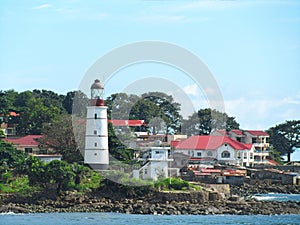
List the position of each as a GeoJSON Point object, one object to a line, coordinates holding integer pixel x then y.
{"type": "Point", "coordinates": [165, 203]}
{"type": "Point", "coordinates": [130, 206]}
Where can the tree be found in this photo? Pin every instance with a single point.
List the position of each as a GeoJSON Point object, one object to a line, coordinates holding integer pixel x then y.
{"type": "Point", "coordinates": [35, 170]}
{"type": "Point", "coordinates": [206, 120]}
{"type": "Point", "coordinates": [34, 116]}
{"type": "Point", "coordinates": [59, 136]}
{"type": "Point", "coordinates": [170, 110]}
{"type": "Point", "coordinates": [116, 148]}
{"type": "Point", "coordinates": [68, 101]}
{"type": "Point", "coordinates": [285, 137]}
{"type": "Point", "coordinates": [148, 107]}
{"type": "Point", "coordinates": [120, 105]}
{"type": "Point", "coordinates": [9, 155]}
{"type": "Point", "coordinates": [60, 172]}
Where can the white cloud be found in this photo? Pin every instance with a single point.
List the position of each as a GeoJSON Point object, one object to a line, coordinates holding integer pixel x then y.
{"type": "Point", "coordinates": [192, 89]}
{"type": "Point", "coordinates": [43, 6]}
{"type": "Point", "coordinates": [263, 113]}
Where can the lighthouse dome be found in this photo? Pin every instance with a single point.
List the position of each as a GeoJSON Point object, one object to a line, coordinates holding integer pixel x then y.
{"type": "Point", "coordinates": [97, 85]}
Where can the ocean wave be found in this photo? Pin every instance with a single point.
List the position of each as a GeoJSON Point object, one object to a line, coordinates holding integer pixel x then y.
{"type": "Point", "coordinates": [11, 213]}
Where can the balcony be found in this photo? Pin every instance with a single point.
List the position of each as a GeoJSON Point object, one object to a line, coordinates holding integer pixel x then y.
{"type": "Point", "coordinates": [261, 153]}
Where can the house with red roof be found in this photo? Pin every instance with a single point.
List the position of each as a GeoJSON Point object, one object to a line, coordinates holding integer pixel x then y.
{"type": "Point", "coordinates": [221, 149]}
{"type": "Point", "coordinates": [27, 144]}
{"type": "Point", "coordinates": [8, 128]}
{"type": "Point", "coordinates": [258, 138]}
{"type": "Point", "coordinates": [30, 145]}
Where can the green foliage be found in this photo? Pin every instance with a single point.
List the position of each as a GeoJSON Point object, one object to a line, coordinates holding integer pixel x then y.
{"type": "Point", "coordinates": [172, 184]}
{"type": "Point", "coordinates": [285, 137]}
{"type": "Point", "coordinates": [60, 172]}
{"type": "Point", "coordinates": [59, 136]}
{"type": "Point", "coordinates": [121, 184]}
{"type": "Point", "coordinates": [148, 107]}
{"type": "Point", "coordinates": [91, 180]}
{"type": "Point", "coordinates": [9, 155]}
{"type": "Point", "coordinates": [18, 185]}
{"type": "Point", "coordinates": [206, 120]}
{"type": "Point", "coordinates": [35, 169]}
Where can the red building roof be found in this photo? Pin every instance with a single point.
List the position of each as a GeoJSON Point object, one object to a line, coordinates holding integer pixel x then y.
{"type": "Point", "coordinates": [207, 142]}
{"type": "Point", "coordinates": [237, 132]}
{"type": "Point", "coordinates": [130, 123]}
{"type": "Point", "coordinates": [11, 114]}
{"type": "Point", "coordinates": [257, 133]}
{"type": "Point", "coordinates": [28, 140]}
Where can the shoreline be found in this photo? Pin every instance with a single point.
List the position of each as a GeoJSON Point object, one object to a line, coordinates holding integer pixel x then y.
{"type": "Point", "coordinates": [240, 201]}
{"type": "Point", "coordinates": [178, 208]}
{"type": "Point", "coordinates": [159, 204]}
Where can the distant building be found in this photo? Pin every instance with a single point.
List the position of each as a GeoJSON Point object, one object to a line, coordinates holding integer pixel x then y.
{"type": "Point", "coordinates": [27, 144]}
{"type": "Point", "coordinates": [259, 139]}
{"type": "Point", "coordinates": [156, 164]}
{"type": "Point", "coordinates": [221, 149]}
{"type": "Point", "coordinates": [6, 125]}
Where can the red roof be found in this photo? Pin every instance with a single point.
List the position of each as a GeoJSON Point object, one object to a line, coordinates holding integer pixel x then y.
{"type": "Point", "coordinates": [208, 170]}
{"type": "Point", "coordinates": [272, 162]}
{"type": "Point", "coordinates": [12, 114]}
{"type": "Point", "coordinates": [130, 123]}
{"type": "Point", "coordinates": [28, 140]}
{"type": "Point", "coordinates": [207, 142]}
{"type": "Point", "coordinates": [237, 132]}
{"type": "Point", "coordinates": [174, 143]}
{"type": "Point", "coordinates": [257, 133]}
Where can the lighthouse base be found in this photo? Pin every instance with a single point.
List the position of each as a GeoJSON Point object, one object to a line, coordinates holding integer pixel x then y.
{"type": "Point", "coordinates": [99, 166]}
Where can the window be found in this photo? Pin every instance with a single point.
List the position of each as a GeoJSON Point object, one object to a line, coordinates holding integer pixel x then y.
{"type": "Point", "coordinates": [254, 140]}
{"type": "Point", "coordinates": [95, 153]}
{"type": "Point", "coordinates": [238, 155]}
{"type": "Point", "coordinates": [95, 115]}
{"type": "Point", "coordinates": [145, 171]}
{"type": "Point", "coordinates": [28, 150]}
{"type": "Point", "coordinates": [199, 154]}
{"type": "Point", "coordinates": [267, 140]}
{"type": "Point", "coordinates": [225, 154]}
{"type": "Point", "coordinates": [251, 155]}
{"type": "Point", "coordinates": [239, 139]}
{"type": "Point", "coordinates": [225, 144]}
{"type": "Point", "coordinates": [95, 144]}
{"type": "Point", "coordinates": [95, 131]}
{"type": "Point", "coordinates": [245, 155]}
{"type": "Point", "coordinates": [209, 153]}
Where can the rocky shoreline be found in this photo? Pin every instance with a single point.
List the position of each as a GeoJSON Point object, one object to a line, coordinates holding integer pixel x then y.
{"type": "Point", "coordinates": [165, 203]}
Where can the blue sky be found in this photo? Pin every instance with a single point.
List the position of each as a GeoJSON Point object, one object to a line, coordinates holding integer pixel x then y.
{"type": "Point", "coordinates": [251, 47]}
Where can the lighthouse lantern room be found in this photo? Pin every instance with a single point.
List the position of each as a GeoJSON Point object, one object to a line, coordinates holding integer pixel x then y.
{"type": "Point", "coordinates": [96, 136]}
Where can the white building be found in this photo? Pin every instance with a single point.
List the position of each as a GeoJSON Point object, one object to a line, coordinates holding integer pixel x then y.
{"type": "Point", "coordinates": [220, 149]}
{"type": "Point", "coordinates": [96, 136]}
{"type": "Point", "coordinates": [157, 164]}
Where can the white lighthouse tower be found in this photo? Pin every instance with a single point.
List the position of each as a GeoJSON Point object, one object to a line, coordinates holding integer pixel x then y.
{"type": "Point", "coordinates": [96, 137]}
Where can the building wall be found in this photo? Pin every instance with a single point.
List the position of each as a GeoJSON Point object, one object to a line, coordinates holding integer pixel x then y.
{"type": "Point", "coordinates": [221, 153]}
{"type": "Point", "coordinates": [153, 170]}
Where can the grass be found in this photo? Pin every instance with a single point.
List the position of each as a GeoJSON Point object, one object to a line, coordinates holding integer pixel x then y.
{"type": "Point", "coordinates": [18, 185]}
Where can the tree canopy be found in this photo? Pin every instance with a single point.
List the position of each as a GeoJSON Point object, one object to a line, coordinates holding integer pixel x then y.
{"type": "Point", "coordinates": [206, 120]}
{"type": "Point", "coordinates": [59, 136]}
{"type": "Point", "coordinates": [148, 107]}
{"type": "Point", "coordinates": [285, 137]}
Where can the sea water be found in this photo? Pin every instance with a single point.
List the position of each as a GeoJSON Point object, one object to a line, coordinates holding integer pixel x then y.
{"type": "Point", "coordinates": [130, 219]}
{"type": "Point", "coordinates": [278, 197]}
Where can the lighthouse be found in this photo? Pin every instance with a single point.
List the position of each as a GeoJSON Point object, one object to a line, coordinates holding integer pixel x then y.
{"type": "Point", "coordinates": [96, 137]}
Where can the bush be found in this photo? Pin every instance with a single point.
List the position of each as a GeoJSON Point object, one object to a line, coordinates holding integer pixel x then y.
{"type": "Point", "coordinates": [172, 183]}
